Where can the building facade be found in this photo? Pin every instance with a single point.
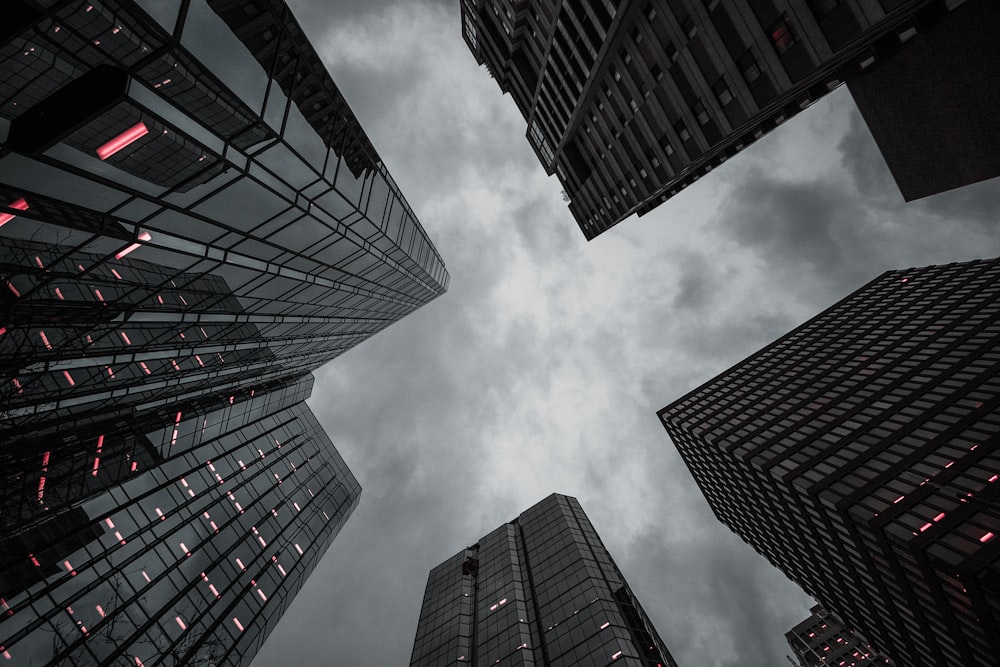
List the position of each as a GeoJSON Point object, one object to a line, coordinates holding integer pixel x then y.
{"type": "Point", "coordinates": [191, 221]}
{"type": "Point", "coordinates": [859, 455]}
{"type": "Point", "coordinates": [822, 640]}
{"type": "Point", "coordinates": [630, 101]}
{"type": "Point", "coordinates": [539, 590]}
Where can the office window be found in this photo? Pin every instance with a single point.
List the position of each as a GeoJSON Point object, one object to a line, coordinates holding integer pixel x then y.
{"type": "Point", "coordinates": [781, 35]}
{"type": "Point", "coordinates": [722, 91]}
{"type": "Point", "coordinates": [748, 66]}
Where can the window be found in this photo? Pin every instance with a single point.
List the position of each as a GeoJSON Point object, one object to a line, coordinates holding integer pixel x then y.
{"type": "Point", "coordinates": [656, 72]}
{"type": "Point", "coordinates": [666, 146]}
{"type": "Point", "coordinates": [636, 35]}
{"type": "Point", "coordinates": [688, 26]}
{"type": "Point", "coordinates": [671, 52]}
{"type": "Point", "coordinates": [748, 66]}
{"type": "Point", "coordinates": [681, 129]}
{"type": "Point", "coordinates": [781, 35]}
{"type": "Point", "coordinates": [650, 11]}
{"type": "Point", "coordinates": [701, 112]}
{"type": "Point", "coordinates": [722, 91]}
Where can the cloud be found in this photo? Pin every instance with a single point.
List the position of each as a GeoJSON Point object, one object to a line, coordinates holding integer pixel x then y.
{"type": "Point", "coordinates": [542, 368]}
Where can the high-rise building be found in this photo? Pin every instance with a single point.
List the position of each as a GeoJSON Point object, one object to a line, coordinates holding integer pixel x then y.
{"type": "Point", "coordinates": [823, 641]}
{"type": "Point", "coordinates": [191, 220]}
{"type": "Point", "coordinates": [859, 454]}
{"type": "Point", "coordinates": [539, 590]}
{"type": "Point", "coordinates": [629, 102]}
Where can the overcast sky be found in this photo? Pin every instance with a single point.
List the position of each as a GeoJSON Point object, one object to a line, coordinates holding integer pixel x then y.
{"type": "Point", "coordinates": [543, 367]}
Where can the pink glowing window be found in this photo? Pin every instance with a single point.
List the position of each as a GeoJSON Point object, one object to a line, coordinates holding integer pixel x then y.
{"type": "Point", "coordinates": [180, 622]}
{"type": "Point", "coordinates": [60, 294]}
{"type": "Point", "coordinates": [236, 622]}
{"type": "Point", "coordinates": [45, 340]}
{"type": "Point", "coordinates": [126, 138]}
{"type": "Point", "coordinates": [605, 624]}
{"type": "Point", "coordinates": [986, 538]}
{"type": "Point", "coordinates": [18, 205]}
{"type": "Point", "coordinates": [145, 368]}
{"type": "Point", "coordinates": [299, 549]}
{"type": "Point", "coordinates": [617, 655]}
{"type": "Point", "coordinates": [13, 289]}
{"type": "Point", "coordinates": [69, 378]}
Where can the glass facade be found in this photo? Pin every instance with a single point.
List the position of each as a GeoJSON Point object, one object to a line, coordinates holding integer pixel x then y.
{"type": "Point", "coordinates": [191, 221]}
{"type": "Point", "coordinates": [630, 102]}
{"type": "Point", "coordinates": [540, 590]}
{"type": "Point", "coordinates": [859, 454]}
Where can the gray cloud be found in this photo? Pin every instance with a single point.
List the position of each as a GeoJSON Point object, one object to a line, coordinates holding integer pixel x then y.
{"type": "Point", "coordinates": [542, 368]}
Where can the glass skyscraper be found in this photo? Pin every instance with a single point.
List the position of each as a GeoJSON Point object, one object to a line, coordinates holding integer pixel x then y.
{"type": "Point", "coordinates": [191, 220]}
{"type": "Point", "coordinates": [859, 454]}
{"type": "Point", "coordinates": [539, 590]}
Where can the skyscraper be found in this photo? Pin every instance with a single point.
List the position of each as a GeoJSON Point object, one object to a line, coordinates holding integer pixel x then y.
{"type": "Point", "coordinates": [629, 102]}
{"type": "Point", "coordinates": [859, 455]}
{"type": "Point", "coordinates": [191, 220]}
{"type": "Point", "coordinates": [822, 640]}
{"type": "Point", "coordinates": [539, 590]}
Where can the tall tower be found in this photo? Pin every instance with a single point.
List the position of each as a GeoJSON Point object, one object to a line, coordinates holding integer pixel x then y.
{"type": "Point", "coordinates": [630, 101]}
{"type": "Point", "coordinates": [859, 455]}
{"type": "Point", "coordinates": [191, 220]}
{"type": "Point", "coordinates": [540, 590]}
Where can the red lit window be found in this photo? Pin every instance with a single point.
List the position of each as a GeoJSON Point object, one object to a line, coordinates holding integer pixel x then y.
{"type": "Point", "coordinates": [126, 138]}
{"type": "Point", "coordinates": [781, 36]}
{"type": "Point", "coordinates": [18, 205]}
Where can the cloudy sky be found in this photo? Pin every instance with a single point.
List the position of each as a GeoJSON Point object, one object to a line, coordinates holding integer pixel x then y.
{"type": "Point", "coordinates": [542, 369]}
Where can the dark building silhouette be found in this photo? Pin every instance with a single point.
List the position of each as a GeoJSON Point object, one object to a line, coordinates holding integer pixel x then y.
{"type": "Point", "coordinates": [859, 455]}
{"type": "Point", "coordinates": [540, 590]}
{"type": "Point", "coordinates": [191, 221]}
{"type": "Point", "coordinates": [822, 640]}
{"type": "Point", "coordinates": [629, 102]}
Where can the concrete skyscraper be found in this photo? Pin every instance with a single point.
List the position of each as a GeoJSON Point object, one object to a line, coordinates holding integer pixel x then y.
{"type": "Point", "coordinates": [191, 220]}
{"type": "Point", "coordinates": [859, 454]}
{"type": "Point", "coordinates": [539, 590]}
{"type": "Point", "coordinates": [630, 101]}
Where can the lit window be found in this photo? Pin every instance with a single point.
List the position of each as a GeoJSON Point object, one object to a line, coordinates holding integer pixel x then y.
{"type": "Point", "coordinates": [126, 138]}
{"type": "Point", "coordinates": [18, 205]}
{"type": "Point", "coordinates": [781, 36]}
